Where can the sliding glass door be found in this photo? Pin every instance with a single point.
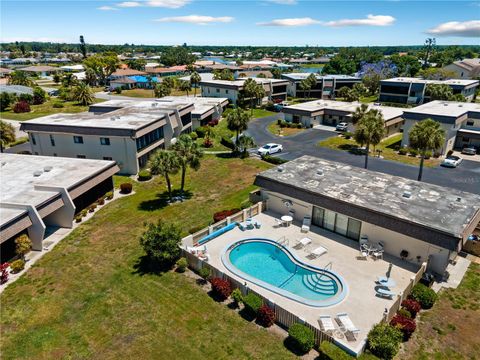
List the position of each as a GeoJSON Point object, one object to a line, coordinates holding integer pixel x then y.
{"type": "Point", "coordinates": [339, 223]}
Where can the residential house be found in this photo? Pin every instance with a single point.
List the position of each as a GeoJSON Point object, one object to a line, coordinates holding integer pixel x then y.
{"type": "Point", "coordinates": [465, 69]}
{"type": "Point", "coordinates": [326, 87]}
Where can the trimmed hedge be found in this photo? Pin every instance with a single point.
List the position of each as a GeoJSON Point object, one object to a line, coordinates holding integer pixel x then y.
{"type": "Point", "coordinates": [252, 303]}
{"type": "Point", "coordinates": [221, 288]}
{"type": "Point", "coordinates": [424, 295]}
{"type": "Point", "coordinates": [330, 351]}
{"type": "Point", "coordinates": [405, 325]}
{"type": "Point", "coordinates": [412, 306]}
{"type": "Point", "coordinates": [182, 264]}
{"type": "Point", "coordinates": [273, 160]}
{"type": "Point", "coordinates": [17, 266]}
{"type": "Point", "coordinates": [144, 175]}
{"type": "Point", "coordinates": [109, 195]}
{"type": "Point", "coordinates": [302, 337]}
{"type": "Point", "coordinates": [219, 216]}
{"type": "Point", "coordinates": [384, 341]}
{"type": "Point", "coordinates": [237, 296]}
{"type": "Point", "coordinates": [265, 316]}
{"type": "Point", "coordinates": [126, 188]}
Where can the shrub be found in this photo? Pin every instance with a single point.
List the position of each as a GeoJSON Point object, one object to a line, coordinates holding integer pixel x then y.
{"type": "Point", "coordinates": [436, 154]}
{"type": "Point", "coordinates": [279, 121]}
{"type": "Point", "coordinates": [4, 272]}
{"type": "Point", "coordinates": [204, 273]}
{"type": "Point", "coordinates": [413, 152]}
{"type": "Point", "coordinates": [160, 243]}
{"type": "Point", "coordinates": [101, 201]}
{"type": "Point", "coordinates": [302, 337]}
{"type": "Point", "coordinates": [384, 341]}
{"type": "Point", "coordinates": [109, 195]}
{"type": "Point", "coordinates": [23, 245]}
{"type": "Point", "coordinates": [194, 135]}
{"type": "Point", "coordinates": [126, 188]}
{"type": "Point", "coordinates": [221, 288]}
{"type": "Point", "coordinates": [195, 229]}
{"type": "Point", "coordinates": [78, 218]}
{"type": "Point", "coordinates": [213, 123]}
{"type": "Point", "coordinates": [407, 326]}
{"type": "Point", "coordinates": [449, 153]}
{"type": "Point", "coordinates": [424, 295]}
{"type": "Point", "coordinates": [182, 264]}
{"type": "Point", "coordinates": [26, 97]}
{"type": "Point", "coordinates": [91, 208]}
{"type": "Point", "coordinates": [118, 90]}
{"type": "Point", "coordinates": [412, 306]}
{"type": "Point", "coordinates": [21, 107]}
{"type": "Point", "coordinates": [207, 143]}
{"type": "Point", "coordinates": [273, 160]}
{"type": "Point", "coordinates": [237, 296]}
{"type": "Point", "coordinates": [403, 151]}
{"type": "Point", "coordinates": [283, 124]}
{"type": "Point", "coordinates": [347, 135]}
{"type": "Point", "coordinates": [39, 95]}
{"type": "Point", "coordinates": [299, 126]}
{"type": "Point", "coordinates": [201, 132]}
{"type": "Point", "coordinates": [144, 175]}
{"type": "Point", "coordinates": [17, 266]}
{"type": "Point", "coordinates": [428, 154]}
{"type": "Point", "coordinates": [252, 303]}
{"type": "Point", "coordinates": [330, 351]}
{"type": "Point", "coordinates": [265, 316]}
{"type": "Point", "coordinates": [5, 100]}
{"type": "Point", "coordinates": [58, 105]}
{"type": "Point", "coordinates": [83, 213]}
{"type": "Point", "coordinates": [219, 216]}
{"type": "Point", "coordinates": [405, 313]}
{"type": "Point", "coordinates": [227, 142]}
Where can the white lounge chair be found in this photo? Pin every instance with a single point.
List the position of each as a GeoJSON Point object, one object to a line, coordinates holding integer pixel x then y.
{"type": "Point", "coordinates": [346, 324]}
{"type": "Point", "coordinates": [303, 243]}
{"type": "Point", "coordinates": [279, 222]}
{"type": "Point", "coordinates": [317, 252]}
{"type": "Point", "coordinates": [326, 324]}
{"type": "Point", "coordinates": [384, 292]}
{"type": "Point", "coordinates": [307, 221]}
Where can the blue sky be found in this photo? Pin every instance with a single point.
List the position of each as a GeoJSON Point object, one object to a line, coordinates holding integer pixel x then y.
{"type": "Point", "coordinates": [266, 22]}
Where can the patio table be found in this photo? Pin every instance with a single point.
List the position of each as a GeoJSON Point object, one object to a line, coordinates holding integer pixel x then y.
{"type": "Point", "coordinates": [287, 219]}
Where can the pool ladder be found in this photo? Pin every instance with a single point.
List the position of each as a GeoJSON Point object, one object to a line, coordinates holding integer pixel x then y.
{"type": "Point", "coordinates": [283, 241]}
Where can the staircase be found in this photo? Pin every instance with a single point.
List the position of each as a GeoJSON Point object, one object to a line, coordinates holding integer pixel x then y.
{"type": "Point", "coordinates": [320, 283]}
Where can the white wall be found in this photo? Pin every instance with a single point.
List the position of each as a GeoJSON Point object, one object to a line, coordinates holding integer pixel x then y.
{"type": "Point", "coordinates": [211, 91]}
{"type": "Point", "coordinates": [450, 134]}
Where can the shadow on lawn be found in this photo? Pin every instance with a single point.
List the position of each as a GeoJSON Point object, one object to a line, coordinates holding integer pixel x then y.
{"type": "Point", "coordinates": [162, 200]}
{"type": "Point", "coordinates": [145, 265]}
{"type": "Point", "coordinates": [289, 343]}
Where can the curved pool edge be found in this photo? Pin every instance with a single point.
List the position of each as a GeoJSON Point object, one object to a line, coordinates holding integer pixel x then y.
{"type": "Point", "coordinates": [338, 298]}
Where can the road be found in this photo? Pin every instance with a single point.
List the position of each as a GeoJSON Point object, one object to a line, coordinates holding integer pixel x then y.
{"type": "Point", "coordinates": [466, 177]}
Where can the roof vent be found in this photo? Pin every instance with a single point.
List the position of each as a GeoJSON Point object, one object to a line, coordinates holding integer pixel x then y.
{"type": "Point", "coordinates": [112, 118]}
{"type": "Point", "coordinates": [459, 199]}
{"type": "Point", "coordinates": [320, 172]}
{"type": "Point", "coordinates": [37, 173]}
{"type": "Point", "coordinates": [407, 194]}
{"type": "Point", "coordinates": [280, 169]}
{"type": "Point", "coordinates": [47, 168]}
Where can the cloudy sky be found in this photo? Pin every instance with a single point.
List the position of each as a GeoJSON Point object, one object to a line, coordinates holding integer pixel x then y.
{"type": "Point", "coordinates": [230, 22]}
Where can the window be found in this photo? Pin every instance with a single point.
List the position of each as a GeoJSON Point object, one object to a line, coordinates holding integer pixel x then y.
{"type": "Point", "coordinates": [226, 91]}
{"type": "Point", "coordinates": [81, 156]}
{"type": "Point", "coordinates": [105, 141]}
{"type": "Point", "coordinates": [107, 158]}
{"type": "Point", "coordinates": [52, 140]}
{"type": "Point", "coordinates": [470, 123]}
{"type": "Point", "coordinates": [353, 231]}
{"type": "Point", "coordinates": [149, 138]}
{"type": "Point", "coordinates": [34, 141]}
{"type": "Point", "coordinates": [78, 139]}
{"type": "Point", "coordinates": [54, 154]}
{"type": "Point", "coordinates": [218, 90]}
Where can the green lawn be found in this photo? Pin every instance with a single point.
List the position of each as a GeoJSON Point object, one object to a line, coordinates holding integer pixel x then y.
{"type": "Point", "coordinates": [449, 331]}
{"type": "Point", "coordinates": [46, 109]}
{"type": "Point", "coordinates": [363, 99]}
{"type": "Point", "coordinates": [88, 299]}
{"type": "Point", "coordinates": [219, 131]}
{"type": "Point", "coordinates": [259, 113]}
{"type": "Point", "coordinates": [276, 130]}
{"type": "Point", "coordinates": [387, 147]}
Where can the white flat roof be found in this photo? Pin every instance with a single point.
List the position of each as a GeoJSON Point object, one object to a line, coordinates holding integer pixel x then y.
{"type": "Point", "coordinates": [18, 179]}
{"type": "Point", "coordinates": [445, 108]}
{"type": "Point", "coordinates": [462, 82]}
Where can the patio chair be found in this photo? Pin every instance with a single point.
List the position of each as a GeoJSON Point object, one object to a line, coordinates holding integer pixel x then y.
{"type": "Point", "coordinates": [346, 325]}
{"type": "Point", "coordinates": [384, 292]}
{"type": "Point", "coordinates": [258, 224]}
{"type": "Point", "coordinates": [279, 222]}
{"type": "Point", "coordinates": [326, 324]}
{"type": "Point", "coordinates": [377, 254]}
{"type": "Point", "coordinates": [302, 243]}
{"type": "Point", "coordinates": [363, 253]}
{"type": "Point", "coordinates": [307, 221]}
{"type": "Point", "coordinates": [317, 252]}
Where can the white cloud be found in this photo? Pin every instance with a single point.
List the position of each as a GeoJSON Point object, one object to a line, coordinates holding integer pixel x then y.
{"type": "Point", "coordinates": [283, 2]}
{"type": "Point", "coordinates": [197, 19]}
{"type": "Point", "coordinates": [171, 4]}
{"type": "Point", "coordinates": [457, 28]}
{"type": "Point", "coordinates": [107, 8]}
{"type": "Point", "coordinates": [370, 20]}
{"type": "Point", "coordinates": [291, 22]}
{"type": "Point", "coordinates": [129, 4]}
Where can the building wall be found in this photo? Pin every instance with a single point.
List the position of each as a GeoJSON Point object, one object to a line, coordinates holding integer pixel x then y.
{"type": "Point", "coordinates": [460, 72]}
{"type": "Point", "coordinates": [450, 134]}
{"type": "Point", "coordinates": [212, 91]}
{"type": "Point", "coordinates": [121, 149]}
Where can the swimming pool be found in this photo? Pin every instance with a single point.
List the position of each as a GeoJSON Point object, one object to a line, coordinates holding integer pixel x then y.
{"type": "Point", "coordinates": [274, 267]}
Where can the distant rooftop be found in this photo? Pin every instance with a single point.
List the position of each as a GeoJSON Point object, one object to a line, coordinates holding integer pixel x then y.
{"type": "Point", "coordinates": [436, 207]}
{"type": "Point", "coordinates": [301, 76]}
{"type": "Point", "coordinates": [444, 108]}
{"type": "Point", "coordinates": [461, 82]}
{"type": "Point", "coordinates": [16, 89]}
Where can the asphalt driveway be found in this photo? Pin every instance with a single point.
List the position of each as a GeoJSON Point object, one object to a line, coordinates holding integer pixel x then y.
{"type": "Point", "coordinates": [466, 177]}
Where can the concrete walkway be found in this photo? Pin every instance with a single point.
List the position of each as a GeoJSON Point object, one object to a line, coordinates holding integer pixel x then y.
{"type": "Point", "coordinates": [457, 272]}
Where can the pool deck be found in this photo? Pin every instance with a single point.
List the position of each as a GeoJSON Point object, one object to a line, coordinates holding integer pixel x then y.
{"type": "Point", "coordinates": [361, 303]}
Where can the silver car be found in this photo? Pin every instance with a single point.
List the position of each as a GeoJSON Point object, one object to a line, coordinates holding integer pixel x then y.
{"type": "Point", "coordinates": [469, 150]}
{"type": "Point", "coordinates": [452, 161]}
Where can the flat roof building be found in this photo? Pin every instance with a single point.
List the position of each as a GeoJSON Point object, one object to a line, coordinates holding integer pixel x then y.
{"type": "Point", "coordinates": [413, 220]}
{"type": "Point", "coordinates": [408, 90]}
{"type": "Point", "coordinates": [326, 87]}
{"type": "Point", "coordinates": [42, 191]}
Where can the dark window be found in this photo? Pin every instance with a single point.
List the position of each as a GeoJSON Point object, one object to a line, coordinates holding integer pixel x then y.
{"type": "Point", "coordinates": [105, 141]}
{"type": "Point", "coordinates": [54, 154]}
{"type": "Point", "coordinates": [107, 158]}
{"type": "Point", "coordinates": [465, 139]}
{"type": "Point", "coordinates": [149, 138]}
{"type": "Point", "coordinates": [402, 89]}
{"type": "Point", "coordinates": [52, 140]}
{"type": "Point", "coordinates": [186, 119]}
{"type": "Point", "coordinates": [36, 152]}
{"type": "Point", "coordinates": [78, 139]}
{"type": "Point", "coordinates": [81, 156]}
{"type": "Point", "coordinates": [470, 123]}
{"type": "Point", "coordinates": [226, 91]}
{"type": "Point", "coordinates": [218, 90]}
{"type": "Point", "coordinates": [34, 141]}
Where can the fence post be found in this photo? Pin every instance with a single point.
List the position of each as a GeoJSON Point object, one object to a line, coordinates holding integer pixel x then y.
{"type": "Point", "coordinates": [259, 206]}
{"type": "Point", "coordinates": [245, 215]}
{"type": "Point", "coordinates": [229, 220]}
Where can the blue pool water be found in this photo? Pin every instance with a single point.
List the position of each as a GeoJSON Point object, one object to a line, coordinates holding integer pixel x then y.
{"type": "Point", "coordinates": [269, 264]}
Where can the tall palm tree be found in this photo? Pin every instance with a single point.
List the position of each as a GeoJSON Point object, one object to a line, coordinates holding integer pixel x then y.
{"type": "Point", "coordinates": [359, 112]}
{"type": "Point", "coordinates": [304, 86]}
{"type": "Point", "coordinates": [245, 143]}
{"type": "Point", "coordinates": [7, 134]}
{"type": "Point", "coordinates": [195, 79]}
{"type": "Point", "coordinates": [237, 120]}
{"type": "Point", "coordinates": [312, 81]}
{"type": "Point", "coordinates": [369, 131]}
{"type": "Point", "coordinates": [184, 85]}
{"type": "Point", "coordinates": [426, 135]}
{"type": "Point", "coordinates": [164, 162]}
{"type": "Point", "coordinates": [83, 94]}
{"type": "Point", "coordinates": [250, 89]}
{"type": "Point", "coordinates": [189, 155]}
{"type": "Point", "coordinates": [69, 80]}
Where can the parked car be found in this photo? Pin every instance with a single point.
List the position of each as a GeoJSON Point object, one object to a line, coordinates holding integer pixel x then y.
{"type": "Point", "coordinates": [343, 126]}
{"type": "Point", "coordinates": [469, 150]}
{"type": "Point", "coordinates": [270, 148]}
{"type": "Point", "coordinates": [452, 161]}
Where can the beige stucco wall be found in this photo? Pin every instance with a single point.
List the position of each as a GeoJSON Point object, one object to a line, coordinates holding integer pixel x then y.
{"type": "Point", "coordinates": [211, 91]}
{"type": "Point", "coordinates": [450, 134]}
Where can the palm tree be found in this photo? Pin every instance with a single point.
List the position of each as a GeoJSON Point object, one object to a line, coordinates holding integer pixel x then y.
{"type": "Point", "coordinates": [304, 86]}
{"type": "Point", "coordinates": [162, 90]}
{"type": "Point", "coordinates": [195, 79]}
{"type": "Point", "coordinates": [359, 112]}
{"type": "Point", "coordinates": [69, 80]}
{"type": "Point", "coordinates": [164, 162]}
{"type": "Point", "coordinates": [237, 120]}
{"type": "Point", "coordinates": [312, 81]}
{"type": "Point", "coordinates": [7, 134]}
{"type": "Point", "coordinates": [184, 85]}
{"type": "Point", "coordinates": [188, 154]}
{"type": "Point", "coordinates": [426, 135]}
{"type": "Point", "coordinates": [245, 143]}
{"type": "Point", "coordinates": [369, 131]}
{"type": "Point", "coordinates": [250, 88]}
{"type": "Point", "coordinates": [83, 94]}
{"type": "Point", "coordinates": [19, 78]}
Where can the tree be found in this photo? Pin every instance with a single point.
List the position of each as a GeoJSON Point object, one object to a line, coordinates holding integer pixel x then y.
{"type": "Point", "coordinates": [277, 73]}
{"type": "Point", "coordinates": [7, 134]}
{"type": "Point", "coordinates": [369, 131]}
{"type": "Point", "coordinates": [177, 56]}
{"type": "Point", "coordinates": [39, 95]}
{"type": "Point", "coordinates": [82, 93]}
{"type": "Point", "coordinates": [23, 245]}
{"type": "Point", "coordinates": [429, 47]}
{"type": "Point", "coordinates": [160, 242]}
{"type": "Point", "coordinates": [169, 81]}
{"type": "Point", "coordinates": [83, 47]}
{"type": "Point", "coordinates": [360, 89]}
{"type": "Point", "coordinates": [253, 91]}
{"type": "Point", "coordinates": [19, 77]}
{"type": "Point", "coordinates": [195, 79]}
{"type": "Point", "coordinates": [224, 74]}
{"type": "Point", "coordinates": [245, 143]}
{"type": "Point", "coordinates": [136, 64]}
{"type": "Point", "coordinates": [312, 81]}
{"type": "Point", "coordinates": [103, 65]}
{"type": "Point", "coordinates": [90, 77]}
{"type": "Point", "coordinates": [164, 162]}
{"type": "Point", "coordinates": [426, 135]}
{"type": "Point", "coordinates": [69, 80]}
{"type": "Point", "coordinates": [188, 154]}
{"type": "Point", "coordinates": [439, 91]}
{"type": "Point", "coordinates": [6, 100]}
{"type": "Point", "coordinates": [437, 74]}
{"type": "Point", "coordinates": [162, 89]}
{"type": "Point", "coordinates": [184, 85]}
{"type": "Point", "coordinates": [343, 92]}
{"type": "Point", "coordinates": [56, 78]}
{"type": "Point", "coordinates": [359, 113]}
{"type": "Point", "coordinates": [237, 120]}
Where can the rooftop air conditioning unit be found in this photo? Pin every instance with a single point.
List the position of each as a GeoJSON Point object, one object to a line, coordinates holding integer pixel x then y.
{"type": "Point", "coordinates": [280, 169]}
{"type": "Point", "coordinates": [320, 172]}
